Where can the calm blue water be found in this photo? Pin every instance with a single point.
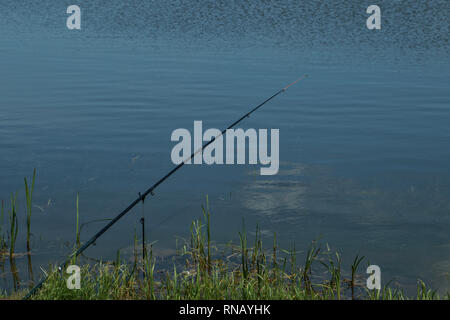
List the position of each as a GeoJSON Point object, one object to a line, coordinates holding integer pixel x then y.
{"type": "Point", "coordinates": [364, 140]}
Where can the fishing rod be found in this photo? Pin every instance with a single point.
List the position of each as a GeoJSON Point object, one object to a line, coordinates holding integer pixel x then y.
{"type": "Point", "coordinates": [150, 190]}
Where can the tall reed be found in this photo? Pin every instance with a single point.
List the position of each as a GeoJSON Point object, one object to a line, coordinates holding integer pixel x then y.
{"type": "Point", "coordinates": [13, 225]}
{"type": "Point", "coordinates": [78, 243]}
{"type": "Point", "coordinates": [248, 276]}
{"type": "Point", "coordinates": [244, 251]}
{"type": "Point", "coordinates": [207, 216]}
{"type": "Point", "coordinates": [29, 199]}
{"type": "Point", "coordinates": [334, 268]}
{"type": "Point", "coordinates": [3, 244]}
{"type": "Point", "coordinates": [354, 268]}
{"type": "Point", "coordinates": [311, 256]}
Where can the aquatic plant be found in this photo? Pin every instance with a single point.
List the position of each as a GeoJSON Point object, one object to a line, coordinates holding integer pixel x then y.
{"type": "Point", "coordinates": [246, 273]}
{"type": "Point", "coordinates": [29, 199]}
{"type": "Point", "coordinates": [77, 230]}
{"type": "Point", "coordinates": [3, 244]}
{"type": "Point", "coordinates": [114, 280]}
{"type": "Point", "coordinates": [354, 268]}
{"type": "Point", "coordinates": [13, 225]}
{"type": "Point", "coordinates": [311, 256]}
{"type": "Point", "coordinates": [334, 268]}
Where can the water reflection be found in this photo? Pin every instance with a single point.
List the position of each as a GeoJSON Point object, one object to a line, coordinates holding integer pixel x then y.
{"type": "Point", "coordinates": [386, 223]}
{"type": "Point", "coordinates": [30, 270]}
{"type": "Point", "coordinates": [14, 272]}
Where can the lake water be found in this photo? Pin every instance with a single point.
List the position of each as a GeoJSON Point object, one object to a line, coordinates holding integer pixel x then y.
{"type": "Point", "coordinates": [364, 140]}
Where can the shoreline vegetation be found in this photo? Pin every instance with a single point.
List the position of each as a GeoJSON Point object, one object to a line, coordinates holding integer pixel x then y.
{"type": "Point", "coordinates": [202, 269]}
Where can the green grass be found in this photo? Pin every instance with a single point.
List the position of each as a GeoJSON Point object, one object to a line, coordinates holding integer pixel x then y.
{"type": "Point", "coordinates": [29, 205]}
{"type": "Point", "coordinates": [203, 269]}
{"type": "Point", "coordinates": [205, 273]}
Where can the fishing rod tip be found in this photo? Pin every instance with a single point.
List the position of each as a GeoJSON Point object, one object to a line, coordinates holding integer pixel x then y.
{"type": "Point", "coordinates": [301, 78]}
